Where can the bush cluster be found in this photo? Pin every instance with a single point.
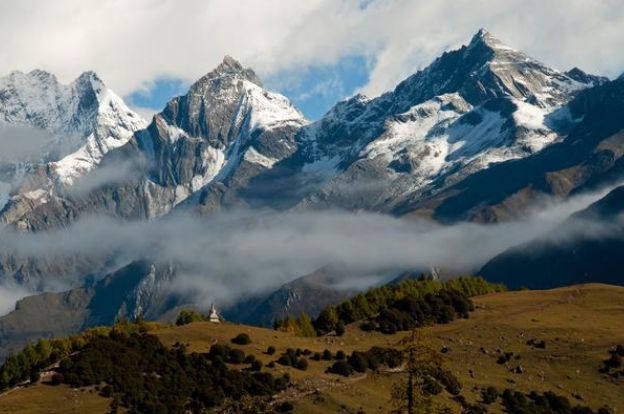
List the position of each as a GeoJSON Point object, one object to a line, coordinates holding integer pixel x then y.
{"type": "Point", "coordinates": [293, 358]}
{"type": "Point", "coordinates": [516, 402]}
{"type": "Point", "coordinates": [241, 339]}
{"type": "Point", "coordinates": [411, 312]}
{"type": "Point", "coordinates": [614, 365]}
{"type": "Point", "coordinates": [540, 344]}
{"type": "Point", "coordinates": [147, 377]}
{"type": "Point", "coordinates": [187, 316]}
{"type": "Point", "coordinates": [361, 361]}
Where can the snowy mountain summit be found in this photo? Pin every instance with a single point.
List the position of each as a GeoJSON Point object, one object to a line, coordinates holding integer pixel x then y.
{"type": "Point", "coordinates": [225, 126]}
{"type": "Point", "coordinates": [482, 104]}
{"type": "Point", "coordinates": [75, 125]}
{"type": "Point", "coordinates": [230, 142]}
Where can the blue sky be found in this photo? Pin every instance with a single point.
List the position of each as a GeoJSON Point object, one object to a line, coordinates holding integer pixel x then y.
{"type": "Point", "coordinates": [313, 89]}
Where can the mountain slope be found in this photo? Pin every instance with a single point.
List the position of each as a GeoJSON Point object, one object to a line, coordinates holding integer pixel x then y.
{"type": "Point", "coordinates": [585, 248]}
{"type": "Point", "coordinates": [472, 108]}
{"type": "Point", "coordinates": [136, 289]}
{"type": "Point", "coordinates": [590, 156]}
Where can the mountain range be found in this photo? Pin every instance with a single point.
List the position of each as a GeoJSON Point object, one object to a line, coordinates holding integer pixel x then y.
{"type": "Point", "coordinates": [481, 135]}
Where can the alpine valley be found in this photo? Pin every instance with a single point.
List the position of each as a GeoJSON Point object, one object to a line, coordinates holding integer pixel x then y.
{"type": "Point", "coordinates": [483, 136]}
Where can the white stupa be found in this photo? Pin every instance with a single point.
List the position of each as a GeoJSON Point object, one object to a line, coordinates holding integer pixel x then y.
{"type": "Point", "coordinates": [213, 316]}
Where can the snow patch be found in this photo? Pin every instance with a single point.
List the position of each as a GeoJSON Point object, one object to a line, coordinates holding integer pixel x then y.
{"type": "Point", "coordinates": [269, 110]}
{"type": "Point", "coordinates": [253, 156]}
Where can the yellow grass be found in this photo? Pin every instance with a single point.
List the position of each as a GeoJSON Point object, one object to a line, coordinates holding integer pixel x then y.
{"type": "Point", "coordinates": [579, 325]}
{"type": "Point", "coordinates": [52, 400]}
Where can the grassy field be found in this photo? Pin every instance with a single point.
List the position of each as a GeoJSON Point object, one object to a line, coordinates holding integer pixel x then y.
{"type": "Point", "coordinates": [578, 324]}
{"type": "Point", "coordinates": [42, 398]}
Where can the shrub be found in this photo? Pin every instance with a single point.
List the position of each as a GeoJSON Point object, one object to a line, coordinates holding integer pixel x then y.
{"type": "Point", "coordinates": [358, 361]}
{"type": "Point", "coordinates": [107, 391]}
{"type": "Point", "coordinates": [341, 368]}
{"type": "Point", "coordinates": [368, 326]}
{"type": "Point", "coordinates": [285, 360]}
{"type": "Point", "coordinates": [56, 379]}
{"type": "Point", "coordinates": [219, 350]}
{"type": "Point", "coordinates": [301, 364]}
{"type": "Point", "coordinates": [201, 381]}
{"type": "Point", "coordinates": [285, 407]}
{"type": "Point", "coordinates": [340, 328]}
{"type": "Point", "coordinates": [431, 386]}
{"type": "Point", "coordinates": [489, 395]}
{"type": "Point", "coordinates": [256, 365]}
{"type": "Point", "coordinates": [504, 358]}
{"type": "Point", "coordinates": [241, 339]}
{"type": "Point", "coordinates": [236, 356]}
{"type": "Point", "coordinates": [270, 350]}
{"type": "Point", "coordinates": [35, 374]}
{"type": "Point", "coordinates": [615, 361]}
{"type": "Point", "coordinates": [187, 316]}
{"type": "Point", "coordinates": [340, 355]}
{"type": "Point", "coordinates": [327, 355]}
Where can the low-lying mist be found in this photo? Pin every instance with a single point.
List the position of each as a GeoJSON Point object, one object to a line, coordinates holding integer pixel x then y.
{"type": "Point", "coordinates": [231, 254]}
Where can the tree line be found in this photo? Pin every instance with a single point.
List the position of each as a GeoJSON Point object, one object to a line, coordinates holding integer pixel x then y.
{"type": "Point", "coordinates": [394, 307]}
{"type": "Point", "coordinates": [28, 363]}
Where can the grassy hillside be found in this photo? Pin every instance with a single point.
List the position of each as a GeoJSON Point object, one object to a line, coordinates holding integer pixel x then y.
{"type": "Point", "coordinates": [578, 326]}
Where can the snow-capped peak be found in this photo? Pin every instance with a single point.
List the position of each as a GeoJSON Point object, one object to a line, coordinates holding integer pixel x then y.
{"type": "Point", "coordinates": [229, 120]}
{"type": "Point", "coordinates": [229, 92]}
{"type": "Point", "coordinates": [84, 119]}
{"type": "Point", "coordinates": [228, 69]}
{"type": "Point", "coordinates": [483, 37]}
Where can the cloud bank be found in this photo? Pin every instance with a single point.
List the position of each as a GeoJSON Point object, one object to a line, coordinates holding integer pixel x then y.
{"type": "Point", "coordinates": [22, 143]}
{"type": "Point", "coordinates": [132, 44]}
{"type": "Point", "coordinates": [228, 255]}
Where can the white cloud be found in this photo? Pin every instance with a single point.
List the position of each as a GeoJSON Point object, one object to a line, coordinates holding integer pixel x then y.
{"type": "Point", "coordinates": [145, 113]}
{"type": "Point", "coordinates": [22, 143]}
{"type": "Point", "coordinates": [130, 44]}
{"type": "Point", "coordinates": [229, 255]}
{"type": "Point", "coordinates": [9, 295]}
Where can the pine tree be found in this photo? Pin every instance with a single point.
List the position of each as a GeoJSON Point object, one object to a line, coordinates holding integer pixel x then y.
{"type": "Point", "coordinates": [410, 395]}
{"type": "Point", "coordinates": [304, 326]}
